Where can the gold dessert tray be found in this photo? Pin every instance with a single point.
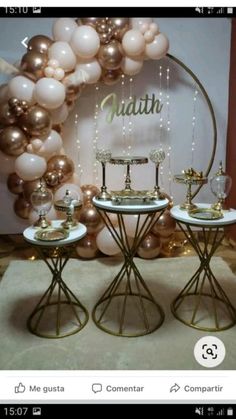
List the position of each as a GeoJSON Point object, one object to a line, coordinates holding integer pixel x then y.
{"type": "Point", "coordinates": [51, 234]}
{"type": "Point", "coordinates": [205, 214]}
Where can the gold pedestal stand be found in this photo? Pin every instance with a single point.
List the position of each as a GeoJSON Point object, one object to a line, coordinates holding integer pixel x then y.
{"type": "Point", "coordinates": [127, 308]}
{"type": "Point", "coordinates": [59, 313]}
{"type": "Point", "coordinates": [203, 290]}
{"type": "Point", "coordinates": [190, 178]}
{"type": "Point", "coordinates": [70, 221]}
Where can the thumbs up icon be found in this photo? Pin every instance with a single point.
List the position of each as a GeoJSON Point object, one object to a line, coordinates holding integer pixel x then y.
{"type": "Point", "coordinates": [20, 388]}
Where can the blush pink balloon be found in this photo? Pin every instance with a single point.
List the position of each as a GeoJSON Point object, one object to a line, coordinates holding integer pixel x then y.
{"type": "Point", "coordinates": [133, 43]}
{"type": "Point", "coordinates": [22, 88]}
{"type": "Point", "coordinates": [92, 69]}
{"type": "Point", "coordinates": [158, 48]}
{"type": "Point", "coordinates": [85, 41]}
{"type": "Point", "coordinates": [63, 29]}
{"type": "Point", "coordinates": [49, 93]}
{"type": "Point", "coordinates": [62, 52]}
{"type": "Point", "coordinates": [30, 166]}
{"type": "Point", "coordinates": [106, 244]}
{"type": "Point", "coordinates": [130, 66]}
{"type": "Point", "coordinates": [59, 115]}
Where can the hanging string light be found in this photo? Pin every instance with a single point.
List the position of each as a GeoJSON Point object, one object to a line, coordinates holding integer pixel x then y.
{"type": "Point", "coordinates": [161, 126]}
{"type": "Point", "coordinates": [79, 166]}
{"type": "Point", "coordinates": [193, 144]}
{"type": "Point", "coordinates": [130, 129]}
{"type": "Point", "coordinates": [168, 129]}
{"type": "Point", "coordinates": [95, 135]}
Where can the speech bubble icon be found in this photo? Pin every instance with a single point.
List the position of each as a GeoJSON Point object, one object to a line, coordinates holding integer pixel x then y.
{"type": "Point", "coordinates": [96, 387]}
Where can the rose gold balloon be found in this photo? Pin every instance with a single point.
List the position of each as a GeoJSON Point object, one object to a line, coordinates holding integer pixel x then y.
{"type": "Point", "coordinates": [6, 116]}
{"type": "Point", "coordinates": [15, 184]}
{"type": "Point", "coordinates": [87, 247]}
{"type": "Point", "coordinates": [39, 43]}
{"type": "Point", "coordinates": [13, 141]}
{"type": "Point", "coordinates": [105, 30]}
{"type": "Point", "coordinates": [36, 122]}
{"type": "Point", "coordinates": [150, 247]}
{"type": "Point", "coordinates": [22, 207]}
{"type": "Point", "coordinates": [33, 64]}
{"type": "Point", "coordinates": [121, 25]}
{"type": "Point", "coordinates": [73, 92]}
{"type": "Point", "coordinates": [91, 21]}
{"type": "Point", "coordinates": [91, 219]}
{"type": "Point", "coordinates": [165, 226]}
{"type": "Point", "coordinates": [89, 191]}
{"type": "Point", "coordinates": [110, 77]}
{"type": "Point", "coordinates": [31, 186]}
{"type": "Point", "coordinates": [52, 179]}
{"type": "Point", "coordinates": [110, 55]}
{"type": "Point", "coordinates": [169, 198]}
{"type": "Point", "coordinates": [63, 165]}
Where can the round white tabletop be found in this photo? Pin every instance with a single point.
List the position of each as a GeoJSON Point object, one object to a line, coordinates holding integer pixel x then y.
{"type": "Point", "coordinates": [109, 206]}
{"type": "Point", "coordinates": [74, 235]}
{"type": "Point", "coordinates": [181, 215]}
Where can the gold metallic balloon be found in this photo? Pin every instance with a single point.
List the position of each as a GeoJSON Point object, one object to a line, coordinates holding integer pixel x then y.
{"type": "Point", "coordinates": [105, 30]}
{"type": "Point", "coordinates": [30, 186]}
{"type": "Point", "coordinates": [62, 165]}
{"type": "Point", "coordinates": [51, 178]}
{"type": "Point", "coordinates": [121, 25]}
{"type": "Point", "coordinates": [13, 141]}
{"type": "Point", "coordinates": [110, 55]}
{"type": "Point", "coordinates": [73, 92]}
{"type": "Point", "coordinates": [33, 64]}
{"type": "Point", "coordinates": [150, 247]}
{"type": "Point", "coordinates": [15, 184]}
{"type": "Point", "coordinates": [165, 226]}
{"type": "Point", "coordinates": [36, 122]}
{"type": "Point", "coordinates": [22, 207]}
{"type": "Point", "coordinates": [39, 43]}
{"type": "Point", "coordinates": [87, 247]}
{"type": "Point", "coordinates": [110, 77]}
{"type": "Point", "coordinates": [91, 219]}
{"type": "Point", "coordinates": [169, 198]}
{"type": "Point", "coordinates": [89, 192]}
{"type": "Point", "coordinates": [91, 21]}
{"type": "Point", "coordinates": [6, 115]}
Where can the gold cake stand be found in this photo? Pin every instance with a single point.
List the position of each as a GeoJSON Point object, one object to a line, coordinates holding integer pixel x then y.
{"type": "Point", "coordinates": [190, 178]}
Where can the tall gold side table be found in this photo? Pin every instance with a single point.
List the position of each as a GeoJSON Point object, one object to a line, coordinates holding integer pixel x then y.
{"type": "Point", "coordinates": [58, 313]}
{"type": "Point", "coordinates": [202, 303]}
{"type": "Point", "coordinates": [127, 307]}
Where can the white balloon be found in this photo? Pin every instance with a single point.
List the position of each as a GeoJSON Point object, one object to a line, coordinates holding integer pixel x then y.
{"type": "Point", "coordinates": [158, 48]}
{"type": "Point", "coordinates": [7, 164]}
{"type": "Point", "coordinates": [59, 115]}
{"type": "Point", "coordinates": [85, 41]}
{"type": "Point", "coordinates": [63, 29]}
{"type": "Point", "coordinates": [3, 93]}
{"type": "Point", "coordinates": [131, 66]}
{"type": "Point", "coordinates": [76, 78]}
{"type": "Point", "coordinates": [149, 36]}
{"type": "Point", "coordinates": [92, 69]}
{"type": "Point", "coordinates": [131, 223]}
{"type": "Point", "coordinates": [49, 93]}
{"type": "Point", "coordinates": [51, 215]}
{"type": "Point", "coordinates": [62, 52]}
{"type": "Point", "coordinates": [137, 22]}
{"type": "Point", "coordinates": [22, 88]}
{"type": "Point", "coordinates": [106, 244]}
{"type": "Point", "coordinates": [48, 147]}
{"type": "Point", "coordinates": [30, 166]}
{"type": "Point", "coordinates": [133, 43]}
{"type": "Point", "coordinates": [74, 189]}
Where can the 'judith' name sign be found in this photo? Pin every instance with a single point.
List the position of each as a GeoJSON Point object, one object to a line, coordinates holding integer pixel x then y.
{"type": "Point", "coordinates": [145, 105]}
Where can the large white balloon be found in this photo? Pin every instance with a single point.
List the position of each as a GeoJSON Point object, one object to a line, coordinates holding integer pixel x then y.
{"type": "Point", "coordinates": [30, 166]}
{"type": "Point", "coordinates": [7, 164]}
{"type": "Point", "coordinates": [131, 66]}
{"type": "Point", "coordinates": [74, 189]}
{"type": "Point", "coordinates": [47, 148]}
{"type": "Point", "coordinates": [131, 222]}
{"type": "Point", "coordinates": [22, 88]}
{"type": "Point", "coordinates": [133, 43]}
{"type": "Point", "coordinates": [92, 69]}
{"type": "Point", "coordinates": [106, 244]}
{"type": "Point", "coordinates": [63, 29]}
{"type": "Point", "coordinates": [85, 41]}
{"type": "Point", "coordinates": [158, 48]}
{"type": "Point", "coordinates": [59, 115]}
{"type": "Point", "coordinates": [49, 93]}
{"type": "Point", "coordinates": [62, 52]}
{"type": "Point", "coordinates": [138, 22]}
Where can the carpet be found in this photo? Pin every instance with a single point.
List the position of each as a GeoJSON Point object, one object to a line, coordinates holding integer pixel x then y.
{"type": "Point", "coordinates": [169, 347]}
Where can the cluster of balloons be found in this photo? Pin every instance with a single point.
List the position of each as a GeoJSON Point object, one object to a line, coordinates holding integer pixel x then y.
{"type": "Point", "coordinates": [37, 100]}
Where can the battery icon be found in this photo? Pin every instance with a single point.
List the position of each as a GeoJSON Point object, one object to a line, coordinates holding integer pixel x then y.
{"type": "Point", "coordinates": [230, 10]}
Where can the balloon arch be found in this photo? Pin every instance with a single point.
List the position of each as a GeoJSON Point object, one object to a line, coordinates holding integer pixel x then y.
{"type": "Point", "coordinates": [37, 101]}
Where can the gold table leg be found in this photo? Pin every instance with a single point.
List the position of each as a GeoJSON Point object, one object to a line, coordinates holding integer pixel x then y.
{"type": "Point", "coordinates": [203, 304]}
{"type": "Point", "coordinates": [127, 307]}
{"type": "Point", "coordinates": [59, 313]}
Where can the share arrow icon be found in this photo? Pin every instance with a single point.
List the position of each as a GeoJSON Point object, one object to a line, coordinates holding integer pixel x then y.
{"type": "Point", "coordinates": [23, 42]}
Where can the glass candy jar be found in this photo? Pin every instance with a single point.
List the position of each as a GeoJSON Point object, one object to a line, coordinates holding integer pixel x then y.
{"type": "Point", "coordinates": [41, 200]}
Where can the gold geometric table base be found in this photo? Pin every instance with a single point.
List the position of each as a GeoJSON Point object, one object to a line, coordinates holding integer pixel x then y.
{"type": "Point", "coordinates": [127, 308]}
{"type": "Point", "coordinates": [59, 313]}
{"type": "Point", "coordinates": [203, 304]}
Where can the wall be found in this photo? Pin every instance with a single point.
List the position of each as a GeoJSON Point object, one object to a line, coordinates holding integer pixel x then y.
{"type": "Point", "coordinates": [204, 46]}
